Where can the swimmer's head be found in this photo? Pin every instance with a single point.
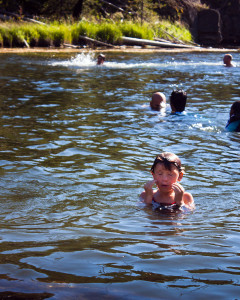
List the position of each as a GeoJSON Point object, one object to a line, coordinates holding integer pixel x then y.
{"type": "Point", "coordinates": [101, 59]}
{"type": "Point", "coordinates": [178, 101]}
{"type": "Point", "coordinates": [169, 160]}
{"type": "Point", "coordinates": [158, 101]}
{"type": "Point", "coordinates": [227, 60]}
{"type": "Point", "coordinates": [235, 108]}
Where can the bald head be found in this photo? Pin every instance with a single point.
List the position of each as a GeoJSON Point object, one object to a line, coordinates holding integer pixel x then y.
{"type": "Point", "coordinates": [158, 101]}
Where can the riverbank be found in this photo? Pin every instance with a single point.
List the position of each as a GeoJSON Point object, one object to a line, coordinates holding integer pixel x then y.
{"type": "Point", "coordinates": [115, 49]}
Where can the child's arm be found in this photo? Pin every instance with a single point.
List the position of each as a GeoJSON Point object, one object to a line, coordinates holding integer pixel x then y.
{"type": "Point", "coordinates": [182, 197]}
{"type": "Point", "coordinates": [147, 195]}
{"type": "Point", "coordinates": [179, 192]}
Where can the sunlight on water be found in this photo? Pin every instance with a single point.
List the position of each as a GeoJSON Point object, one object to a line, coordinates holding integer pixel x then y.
{"type": "Point", "coordinates": [89, 60]}
{"type": "Point", "coordinates": [77, 144]}
{"type": "Point", "coordinates": [81, 60]}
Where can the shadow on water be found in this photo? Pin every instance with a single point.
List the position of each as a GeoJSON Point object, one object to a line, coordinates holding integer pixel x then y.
{"type": "Point", "coordinates": [77, 144]}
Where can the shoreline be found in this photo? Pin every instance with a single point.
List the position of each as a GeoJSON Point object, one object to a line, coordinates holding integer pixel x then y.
{"type": "Point", "coordinates": [125, 49]}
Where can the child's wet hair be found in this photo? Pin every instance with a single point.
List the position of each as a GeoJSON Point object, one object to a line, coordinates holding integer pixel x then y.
{"type": "Point", "coordinates": [168, 159]}
{"type": "Point", "coordinates": [179, 99]}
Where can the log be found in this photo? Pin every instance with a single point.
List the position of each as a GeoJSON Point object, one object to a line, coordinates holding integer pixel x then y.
{"type": "Point", "coordinates": [17, 16]}
{"type": "Point", "coordinates": [142, 42]}
{"type": "Point", "coordinates": [182, 43]}
{"type": "Point", "coordinates": [26, 43]}
{"type": "Point", "coordinates": [71, 46]}
{"type": "Point", "coordinates": [179, 41]}
{"type": "Point", "coordinates": [95, 41]}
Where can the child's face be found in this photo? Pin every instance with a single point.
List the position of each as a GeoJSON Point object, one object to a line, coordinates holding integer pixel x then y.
{"type": "Point", "coordinates": [165, 178]}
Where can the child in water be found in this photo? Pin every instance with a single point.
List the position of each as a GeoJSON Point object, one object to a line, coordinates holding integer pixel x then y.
{"type": "Point", "coordinates": [167, 171]}
{"type": "Point", "coordinates": [233, 123]}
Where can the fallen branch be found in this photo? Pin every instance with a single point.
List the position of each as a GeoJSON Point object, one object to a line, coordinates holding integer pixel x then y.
{"type": "Point", "coordinates": [110, 4]}
{"type": "Point", "coordinates": [177, 40]}
{"type": "Point", "coordinates": [95, 41]}
{"type": "Point", "coordinates": [26, 43]}
{"type": "Point", "coordinates": [17, 16]}
{"type": "Point", "coordinates": [71, 46]}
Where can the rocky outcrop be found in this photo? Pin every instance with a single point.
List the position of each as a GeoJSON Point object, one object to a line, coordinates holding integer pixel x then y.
{"type": "Point", "coordinates": [230, 19]}
{"type": "Point", "coordinates": [209, 27]}
{"type": "Point", "coordinates": [219, 26]}
{"type": "Point", "coordinates": [212, 22]}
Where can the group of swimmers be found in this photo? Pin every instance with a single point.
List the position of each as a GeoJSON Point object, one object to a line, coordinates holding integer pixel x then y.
{"type": "Point", "coordinates": [178, 100]}
{"type": "Point", "coordinates": [167, 170]}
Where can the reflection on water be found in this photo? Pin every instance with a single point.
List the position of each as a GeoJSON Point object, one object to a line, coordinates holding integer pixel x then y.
{"type": "Point", "coordinates": [77, 143]}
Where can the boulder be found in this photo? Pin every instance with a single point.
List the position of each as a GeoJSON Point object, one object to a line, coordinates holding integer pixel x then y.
{"type": "Point", "coordinates": [230, 16]}
{"type": "Point", "coordinates": [209, 27]}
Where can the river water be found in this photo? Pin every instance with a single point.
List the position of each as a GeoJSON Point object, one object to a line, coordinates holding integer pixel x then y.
{"type": "Point", "coordinates": [77, 144]}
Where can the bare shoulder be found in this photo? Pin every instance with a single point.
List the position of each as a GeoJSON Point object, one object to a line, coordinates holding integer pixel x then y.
{"type": "Point", "coordinates": [188, 200]}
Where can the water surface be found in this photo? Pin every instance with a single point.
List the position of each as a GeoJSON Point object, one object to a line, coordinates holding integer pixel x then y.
{"type": "Point", "coordinates": [77, 144]}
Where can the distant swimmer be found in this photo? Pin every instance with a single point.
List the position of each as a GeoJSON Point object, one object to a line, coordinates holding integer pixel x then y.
{"type": "Point", "coordinates": [178, 100]}
{"type": "Point", "coordinates": [158, 101]}
{"type": "Point", "coordinates": [101, 59]}
{"type": "Point", "coordinates": [227, 60]}
{"type": "Point", "coordinates": [233, 123]}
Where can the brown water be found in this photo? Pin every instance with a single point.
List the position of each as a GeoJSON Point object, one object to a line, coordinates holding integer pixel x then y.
{"type": "Point", "coordinates": [77, 143]}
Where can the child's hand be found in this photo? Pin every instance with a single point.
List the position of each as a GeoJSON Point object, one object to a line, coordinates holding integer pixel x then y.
{"type": "Point", "coordinates": [148, 187]}
{"type": "Point", "coordinates": [148, 195]}
{"type": "Point", "coordinates": [179, 192]}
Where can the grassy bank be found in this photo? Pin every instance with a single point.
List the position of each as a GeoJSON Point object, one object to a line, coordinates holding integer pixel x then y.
{"type": "Point", "coordinates": [17, 34]}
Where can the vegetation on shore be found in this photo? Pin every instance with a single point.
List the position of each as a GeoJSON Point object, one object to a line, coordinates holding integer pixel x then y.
{"type": "Point", "coordinates": [21, 34]}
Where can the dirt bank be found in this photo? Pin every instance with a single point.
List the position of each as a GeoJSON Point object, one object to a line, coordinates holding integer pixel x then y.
{"type": "Point", "coordinates": [119, 49]}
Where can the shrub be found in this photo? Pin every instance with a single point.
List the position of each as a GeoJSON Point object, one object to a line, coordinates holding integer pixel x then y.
{"type": "Point", "coordinates": [136, 30]}
{"type": "Point", "coordinates": [109, 33]}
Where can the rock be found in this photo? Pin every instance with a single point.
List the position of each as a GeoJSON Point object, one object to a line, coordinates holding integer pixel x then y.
{"type": "Point", "coordinates": [209, 27]}
{"type": "Point", "coordinates": [230, 16]}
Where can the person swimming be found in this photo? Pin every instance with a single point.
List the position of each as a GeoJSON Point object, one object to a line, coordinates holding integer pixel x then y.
{"type": "Point", "coordinates": [158, 101]}
{"type": "Point", "coordinates": [178, 100]}
{"type": "Point", "coordinates": [101, 59]}
{"type": "Point", "coordinates": [233, 123]}
{"type": "Point", "coordinates": [227, 60]}
{"type": "Point", "coordinates": [167, 171]}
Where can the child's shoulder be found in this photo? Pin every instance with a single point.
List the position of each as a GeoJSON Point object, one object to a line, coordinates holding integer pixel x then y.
{"type": "Point", "coordinates": [188, 200]}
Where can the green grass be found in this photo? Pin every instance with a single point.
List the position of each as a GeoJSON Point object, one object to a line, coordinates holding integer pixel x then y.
{"type": "Point", "coordinates": [175, 29]}
{"type": "Point", "coordinates": [13, 34]}
{"type": "Point", "coordinates": [83, 28]}
{"type": "Point", "coordinates": [134, 30]}
{"type": "Point", "coordinates": [108, 32]}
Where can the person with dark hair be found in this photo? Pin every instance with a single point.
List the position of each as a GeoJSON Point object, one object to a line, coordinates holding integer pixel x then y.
{"type": "Point", "coordinates": [167, 171]}
{"type": "Point", "coordinates": [227, 60]}
{"type": "Point", "coordinates": [101, 59]}
{"type": "Point", "coordinates": [178, 100]}
{"type": "Point", "coordinates": [233, 123]}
